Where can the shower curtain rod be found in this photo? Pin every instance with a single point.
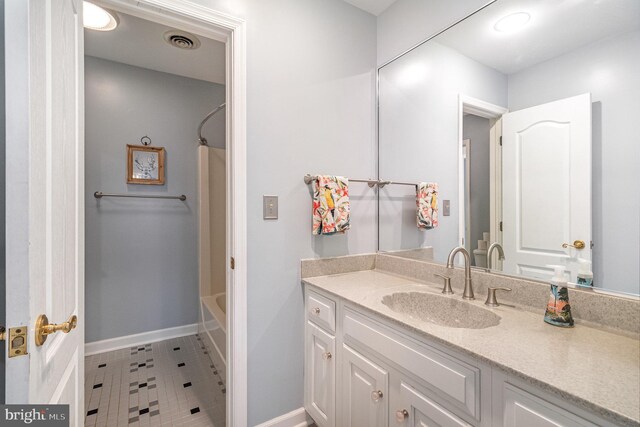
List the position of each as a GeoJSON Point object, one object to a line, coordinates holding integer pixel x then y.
{"type": "Point", "coordinates": [308, 178]}
{"type": "Point", "coordinates": [201, 139]}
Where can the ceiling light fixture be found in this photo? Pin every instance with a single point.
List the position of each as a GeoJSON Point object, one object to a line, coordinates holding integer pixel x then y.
{"type": "Point", "coordinates": [97, 18]}
{"type": "Point", "coordinates": [512, 22]}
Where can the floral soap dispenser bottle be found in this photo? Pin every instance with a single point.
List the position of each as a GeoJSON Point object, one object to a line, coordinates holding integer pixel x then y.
{"type": "Point", "coordinates": [558, 308]}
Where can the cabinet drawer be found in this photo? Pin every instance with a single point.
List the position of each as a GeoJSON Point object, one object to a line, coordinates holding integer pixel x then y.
{"type": "Point", "coordinates": [321, 310]}
{"type": "Point", "coordinates": [459, 381]}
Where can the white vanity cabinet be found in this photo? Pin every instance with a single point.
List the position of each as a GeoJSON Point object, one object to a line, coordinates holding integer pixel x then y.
{"type": "Point", "coordinates": [365, 391]}
{"type": "Point", "coordinates": [516, 404]}
{"type": "Point", "coordinates": [417, 410]}
{"type": "Point", "coordinates": [320, 360]}
{"type": "Point", "coordinates": [364, 371]}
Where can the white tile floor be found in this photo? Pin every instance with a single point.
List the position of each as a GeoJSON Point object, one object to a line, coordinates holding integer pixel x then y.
{"type": "Point", "coordinates": [167, 383]}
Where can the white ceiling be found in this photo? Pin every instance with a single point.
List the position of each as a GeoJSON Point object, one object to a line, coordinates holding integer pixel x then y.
{"type": "Point", "coordinates": [140, 42]}
{"type": "Point", "coordinates": [375, 7]}
{"type": "Point", "coordinates": [556, 27]}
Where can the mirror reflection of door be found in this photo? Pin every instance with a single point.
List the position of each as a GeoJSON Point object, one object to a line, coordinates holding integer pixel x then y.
{"type": "Point", "coordinates": [546, 156]}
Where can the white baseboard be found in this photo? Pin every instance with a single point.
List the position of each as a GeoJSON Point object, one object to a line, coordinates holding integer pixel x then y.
{"type": "Point", "coordinates": [295, 418]}
{"type": "Point", "coordinates": [111, 344]}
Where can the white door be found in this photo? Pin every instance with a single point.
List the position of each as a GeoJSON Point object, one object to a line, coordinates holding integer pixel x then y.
{"type": "Point", "coordinates": [364, 391]}
{"type": "Point", "coordinates": [45, 202]}
{"type": "Point", "coordinates": [546, 153]}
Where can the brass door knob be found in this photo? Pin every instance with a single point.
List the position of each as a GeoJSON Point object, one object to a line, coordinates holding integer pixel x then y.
{"type": "Point", "coordinates": [578, 244]}
{"type": "Point", "coordinates": [44, 329]}
{"type": "Point", "coordinates": [3, 334]}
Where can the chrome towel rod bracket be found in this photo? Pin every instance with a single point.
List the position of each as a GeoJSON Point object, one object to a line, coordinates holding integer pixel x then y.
{"type": "Point", "coordinates": [100, 195]}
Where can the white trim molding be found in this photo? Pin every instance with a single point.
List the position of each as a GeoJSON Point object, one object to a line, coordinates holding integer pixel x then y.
{"type": "Point", "coordinates": [295, 418]}
{"type": "Point", "coordinates": [111, 344]}
{"type": "Point", "coordinates": [202, 20]}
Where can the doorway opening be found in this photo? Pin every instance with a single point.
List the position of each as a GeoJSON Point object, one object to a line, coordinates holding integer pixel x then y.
{"type": "Point", "coordinates": [46, 227]}
{"type": "Point", "coordinates": [171, 80]}
{"type": "Point", "coordinates": [480, 183]}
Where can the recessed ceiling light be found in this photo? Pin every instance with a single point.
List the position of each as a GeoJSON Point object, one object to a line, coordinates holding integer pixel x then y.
{"type": "Point", "coordinates": [96, 18]}
{"type": "Point", "coordinates": [512, 22]}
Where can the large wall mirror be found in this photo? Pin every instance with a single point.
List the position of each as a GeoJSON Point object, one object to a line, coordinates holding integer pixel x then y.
{"type": "Point", "coordinates": [523, 114]}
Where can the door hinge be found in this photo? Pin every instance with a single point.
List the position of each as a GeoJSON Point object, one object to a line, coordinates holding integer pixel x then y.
{"type": "Point", "coordinates": [233, 263]}
{"type": "Point", "coordinates": [500, 225]}
{"type": "Point", "coordinates": [501, 141]}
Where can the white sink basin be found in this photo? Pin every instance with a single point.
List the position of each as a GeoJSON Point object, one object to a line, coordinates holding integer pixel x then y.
{"type": "Point", "coordinates": [441, 310]}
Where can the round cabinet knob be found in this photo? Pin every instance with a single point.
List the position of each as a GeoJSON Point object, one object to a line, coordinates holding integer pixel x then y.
{"type": "Point", "coordinates": [316, 311]}
{"type": "Point", "coordinates": [327, 356]}
{"type": "Point", "coordinates": [401, 415]}
{"type": "Point", "coordinates": [376, 395]}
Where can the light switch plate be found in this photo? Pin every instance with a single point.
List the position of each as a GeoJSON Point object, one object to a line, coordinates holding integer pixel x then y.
{"type": "Point", "coordinates": [446, 207]}
{"type": "Point", "coordinates": [270, 207]}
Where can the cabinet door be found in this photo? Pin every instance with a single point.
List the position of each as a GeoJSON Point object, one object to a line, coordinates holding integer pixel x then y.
{"type": "Point", "coordinates": [364, 391]}
{"type": "Point", "coordinates": [417, 410]}
{"type": "Point", "coordinates": [319, 376]}
{"type": "Point", "coordinates": [522, 409]}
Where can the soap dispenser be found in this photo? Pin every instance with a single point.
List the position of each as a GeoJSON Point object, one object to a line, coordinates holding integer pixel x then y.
{"type": "Point", "coordinates": [585, 275]}
{"type": "Point", "coordinates": [558, 308]}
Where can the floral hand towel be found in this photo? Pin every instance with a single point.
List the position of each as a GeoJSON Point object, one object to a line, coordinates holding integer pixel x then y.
{"type": "Point", "coordinates": [330, 204]}
{"type": "Point", "coordinates": [427, 202]}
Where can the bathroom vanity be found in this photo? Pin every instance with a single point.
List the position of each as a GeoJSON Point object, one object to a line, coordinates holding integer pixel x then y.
{"type": "Point", "coordinates": [383, 349]}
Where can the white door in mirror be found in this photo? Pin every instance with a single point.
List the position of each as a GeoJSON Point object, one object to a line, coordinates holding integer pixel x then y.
{"type": "Point", "coordinates": [546, 156]}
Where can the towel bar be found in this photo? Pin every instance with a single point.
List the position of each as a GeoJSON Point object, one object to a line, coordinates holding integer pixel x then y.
{"type": "Point", "coordinates": [100, 195]}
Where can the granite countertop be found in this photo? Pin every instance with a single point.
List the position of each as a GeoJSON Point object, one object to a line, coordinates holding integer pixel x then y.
{"type": "Point", "coordinates": [595, 369]}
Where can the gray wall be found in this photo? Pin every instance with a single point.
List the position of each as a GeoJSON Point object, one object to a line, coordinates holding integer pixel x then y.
{"type": "Point", "coordinates": [141, 255]}
{"type": "Point", "coordinates": [609, 70]}
{"type": "Point", "coordinates": [418, 128]}
{"type": "Point", "coordinates": [476, 129]}
{"type": "Point", "coordinates": [408, 22]}
{"type": "Point", "coordinates": [311, 91]}
{"type": "Point", "coordinates": [2, 201]}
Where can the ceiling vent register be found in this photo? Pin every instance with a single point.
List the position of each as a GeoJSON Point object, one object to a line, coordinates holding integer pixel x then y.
{"type": "Point", "coordinates": [182, 40]}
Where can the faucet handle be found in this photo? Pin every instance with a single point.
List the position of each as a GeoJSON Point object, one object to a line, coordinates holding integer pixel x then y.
{"type": "Point", "coordinates": [491, 296]}
{"type": "Point", "coordinates": [447, 284]}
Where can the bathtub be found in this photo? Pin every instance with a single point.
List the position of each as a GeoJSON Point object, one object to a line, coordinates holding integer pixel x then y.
{"type": "Point", "coordinates": [214, 321]}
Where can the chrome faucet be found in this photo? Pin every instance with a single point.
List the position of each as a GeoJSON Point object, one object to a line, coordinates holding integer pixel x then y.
{"type": "Point", "coordinates": [468, 287]}
{"type": "Point", "coordinates": [498, 246]}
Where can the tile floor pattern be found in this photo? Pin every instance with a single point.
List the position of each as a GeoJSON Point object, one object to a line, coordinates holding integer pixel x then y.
{"type": "Point", "coordinates": [167, 383]}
